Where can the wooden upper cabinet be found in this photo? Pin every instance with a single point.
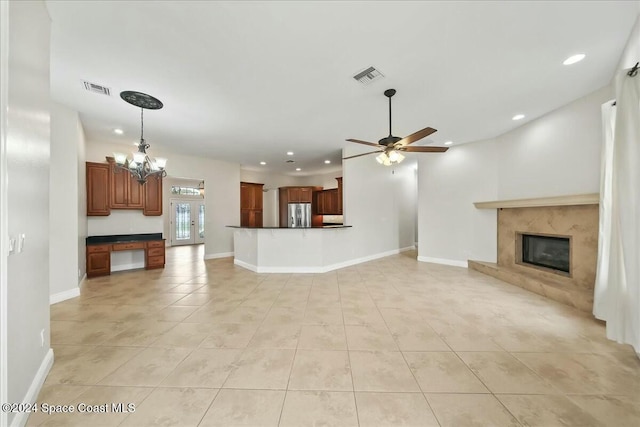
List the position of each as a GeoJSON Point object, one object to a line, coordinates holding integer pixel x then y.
{"type": "Point", "coordinates": [306, 195]}
{"type": "Point", "coordinates": [250, 204]}
{"type": "Point", "coordinates": [126, 191]}
{"type": "Point", "coordinates": [136, 193]}
{"type": "Point", "coordinates": [111, 188]}
{"type": "Point", "coordinates": [152, 196]}
{"type": "Point", "coordinates": [98, 189]}
{"type": "Point", "coordinates": [294, 195]}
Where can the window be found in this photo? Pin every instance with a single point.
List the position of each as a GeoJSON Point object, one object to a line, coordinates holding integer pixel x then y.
{"type": "Point", "coordinates": [185, 191]}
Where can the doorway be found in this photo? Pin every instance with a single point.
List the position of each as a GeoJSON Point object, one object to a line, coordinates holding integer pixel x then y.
{"type": "Point", "coordinates": [187, 222]}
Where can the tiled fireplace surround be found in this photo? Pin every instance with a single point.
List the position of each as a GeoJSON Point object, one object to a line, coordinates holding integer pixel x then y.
{"type": "Point", "coordinates": [578, 221]}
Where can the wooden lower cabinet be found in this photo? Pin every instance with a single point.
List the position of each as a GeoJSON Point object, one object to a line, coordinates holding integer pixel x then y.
{"type": "Point", "coordinates": [98, 260]}
{"type": "Point", "coordinates": [154, 255]}
{"type": "Point", "coordinates": [99, 256]}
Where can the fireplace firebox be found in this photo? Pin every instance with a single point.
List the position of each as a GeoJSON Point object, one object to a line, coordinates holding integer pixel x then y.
{"type": "Point", "coordinates": [549, 252]}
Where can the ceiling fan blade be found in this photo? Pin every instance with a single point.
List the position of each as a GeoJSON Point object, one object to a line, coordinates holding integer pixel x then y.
{"type": "Point", "coordinates": [364, 154]}
{"type": "Point", "coordinates": [416, 136]}
{"type": "Point", "coordinates": [372, 144]}
{"type": "Point", "coordinates": [423, 149]}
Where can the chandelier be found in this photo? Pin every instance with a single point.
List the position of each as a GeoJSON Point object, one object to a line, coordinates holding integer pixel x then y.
{"type": "Point", "coordinates": [140, 165]}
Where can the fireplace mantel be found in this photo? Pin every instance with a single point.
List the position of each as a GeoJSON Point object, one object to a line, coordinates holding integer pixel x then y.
{"type": "Point", "coordinates": [572, 200]}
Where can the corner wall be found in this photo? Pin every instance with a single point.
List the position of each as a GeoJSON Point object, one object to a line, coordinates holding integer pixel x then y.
{"type": "Point", "coordinates": [66, 213]}
{"type": "Point", "coordinates": [556, 154]}
{"type": "Point", "coordinates": [379, 202]}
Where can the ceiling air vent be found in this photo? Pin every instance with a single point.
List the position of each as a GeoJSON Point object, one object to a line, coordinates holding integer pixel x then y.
{"type": "Point", "coordinates": [367, 76]}
{"type": "Point", "coordinates": [92, 87]}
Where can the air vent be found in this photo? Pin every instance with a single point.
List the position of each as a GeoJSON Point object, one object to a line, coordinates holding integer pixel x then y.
{"type": "Point", "coordinates": [367, 76]}
{"type": "Point", "coordinates": [92, 87]}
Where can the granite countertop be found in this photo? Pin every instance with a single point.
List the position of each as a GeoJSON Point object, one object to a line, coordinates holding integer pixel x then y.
{"type": "Point", "coordinates": [291, 228]}
{"type": "Point", "coordinates": [123, 238]}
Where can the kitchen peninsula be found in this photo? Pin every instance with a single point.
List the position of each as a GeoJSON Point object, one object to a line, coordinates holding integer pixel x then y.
{"type": "Point", "coordinates": [293, 250]}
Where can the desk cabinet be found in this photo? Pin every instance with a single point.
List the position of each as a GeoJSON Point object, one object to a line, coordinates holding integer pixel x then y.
{"type": "Point", "coordinates": [99, 255]}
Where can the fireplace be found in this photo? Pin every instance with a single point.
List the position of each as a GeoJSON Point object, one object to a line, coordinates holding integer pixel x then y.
{"type": "Point", "coordinates": [544, 251]}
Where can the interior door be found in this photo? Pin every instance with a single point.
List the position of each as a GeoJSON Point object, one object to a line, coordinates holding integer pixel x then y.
{"type": "Point", "coordinates": [198, 208]}
{"type": "Point", "coordinates": [182, 223]}
{"type": "Point", "coordinates": [187, 222]}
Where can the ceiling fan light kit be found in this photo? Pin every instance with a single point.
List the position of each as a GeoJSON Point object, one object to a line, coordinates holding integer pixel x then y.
{"type": "Point", "coordinates": [140, 165]}
{"type": "Point", "coordinates": [390, 147]}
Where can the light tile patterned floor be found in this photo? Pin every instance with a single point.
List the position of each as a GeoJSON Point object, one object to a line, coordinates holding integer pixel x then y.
{"type": "Point", "coordinates": [390, 342]}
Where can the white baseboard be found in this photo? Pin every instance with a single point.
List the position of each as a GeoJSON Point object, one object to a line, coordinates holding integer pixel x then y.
{"type": "Point", "coordinates": [408, 248]}
{"type": "Point", "coordinates": [64, 295]}
{"type": "Point", "coordinates": [444, 261]}
{"type": "Point", "coordinates": [245, 265]}
{"type": "Point", "coordinates": [218, 255]}
{"type": "Point", "coordinates": [34, 389]}
{"type": "Point", "coordinates": [319, 269]}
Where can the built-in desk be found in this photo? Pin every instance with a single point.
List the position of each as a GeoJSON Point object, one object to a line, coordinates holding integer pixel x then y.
{"type": "Point", "coordinates": [99, 250]}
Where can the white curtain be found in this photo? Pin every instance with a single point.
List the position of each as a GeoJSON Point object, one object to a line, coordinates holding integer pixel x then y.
{"type": "Point", "coordinates": [617, 291]}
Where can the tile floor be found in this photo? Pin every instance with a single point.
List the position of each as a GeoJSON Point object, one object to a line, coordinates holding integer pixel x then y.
{"type": "Point", "coordinates": [390, 342]}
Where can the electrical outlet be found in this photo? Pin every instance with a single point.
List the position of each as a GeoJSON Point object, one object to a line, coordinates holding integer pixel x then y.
{"type": "Point", "coordinates": [42, 338]}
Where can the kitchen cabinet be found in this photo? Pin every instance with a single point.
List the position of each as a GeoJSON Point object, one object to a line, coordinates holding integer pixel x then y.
{"type": "Point", "coordinates": [126, 191]}
{"type": "Point", "coordinates": [152, 196]}
{"type": "Point", "coordinates": [251, 204]}
{"type": "Point", "coordinates": [98, 260]}
{"type": "Point", "coordinates": [288, 195]}
{"type": "Point", "coordinates": [98, 175]}
{"type": "Point", "coordinates": [329, 202]}
{"type": "Point", "coordinates": [154, 254]}
{"type": "Point", "coordinates": [299, 194]}
{"type": "Point", "coordinates": [111, 188]}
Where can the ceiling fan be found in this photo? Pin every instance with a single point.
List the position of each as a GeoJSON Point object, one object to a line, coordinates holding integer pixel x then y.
{"type": "Point", "coordinates": [391, 147]}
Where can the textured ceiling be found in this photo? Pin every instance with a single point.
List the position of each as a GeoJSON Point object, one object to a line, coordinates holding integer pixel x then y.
{"type": "Point", "coordinates": [248, 81]}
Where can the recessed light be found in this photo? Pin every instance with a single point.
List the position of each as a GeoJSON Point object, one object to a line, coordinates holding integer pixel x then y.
{"type": "Point", "coordinates": [448, 143]}
{"type": "Point", "coordinates": [326, 162]}
{"type": "Point", "coordinates": [518, 117]}
{"type": "Point", "coordinates": [289, 153]}
{"type": "Point", "coordinates": [118, 131]}
{"type": "Point", "coordinates": [298, 169]}
{"type": "Point", "coordinates": [574, 58]}
{"type": "Point", "coordinates": [263, 163]}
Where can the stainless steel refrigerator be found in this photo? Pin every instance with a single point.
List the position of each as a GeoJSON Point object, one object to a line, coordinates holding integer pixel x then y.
{"type": "Point", "coordinates": [299, 215]}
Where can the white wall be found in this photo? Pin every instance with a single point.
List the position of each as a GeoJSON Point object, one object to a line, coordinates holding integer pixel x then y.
{"type": "Point", "coordinates": [376, 203]}
{"type": "Point", "coordinates": [27, 209]}
{"type": "Point", "coordinates": [556, 154]}
{"type": "Point", "coordinates": [326, 180]}
{"type": "Point", "coordinates": [222, 202]}
{"type": "Point", "coordinates": [450, 229]}
{"type": "Point", "coordinates": [65, 213]}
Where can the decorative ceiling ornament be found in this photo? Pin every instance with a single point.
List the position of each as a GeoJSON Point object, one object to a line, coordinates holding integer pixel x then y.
{"type": "Point", "coordinates": [141, 166]}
